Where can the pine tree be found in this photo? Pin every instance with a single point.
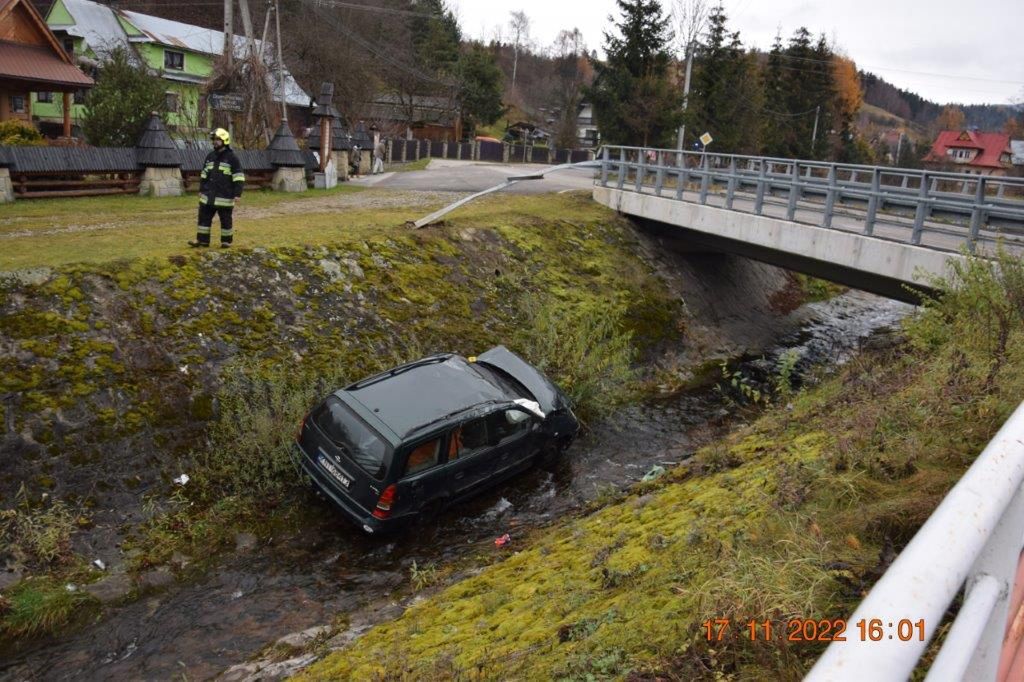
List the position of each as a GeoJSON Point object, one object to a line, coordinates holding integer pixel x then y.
{"type": "Point", "coordinates": [635, 100]}
{"type": "Point", "coordinates": [728, 94]}
{"type": "Point", "coordinates": [775, 101]}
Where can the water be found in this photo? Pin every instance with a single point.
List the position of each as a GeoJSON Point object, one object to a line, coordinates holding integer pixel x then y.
{"type": "Point", "coordinates": [196, 631]}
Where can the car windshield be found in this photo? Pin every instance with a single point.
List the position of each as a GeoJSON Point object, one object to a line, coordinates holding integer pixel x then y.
{"type": "Point", "coordinates": [353, 436]}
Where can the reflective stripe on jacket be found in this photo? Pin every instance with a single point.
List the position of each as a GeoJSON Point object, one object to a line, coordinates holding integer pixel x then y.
{"type": "Point", "coordinates": [221, 180]}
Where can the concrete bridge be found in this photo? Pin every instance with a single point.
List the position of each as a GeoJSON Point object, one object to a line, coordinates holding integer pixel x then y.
{"type": "Point", "coordinates": [873, 228]}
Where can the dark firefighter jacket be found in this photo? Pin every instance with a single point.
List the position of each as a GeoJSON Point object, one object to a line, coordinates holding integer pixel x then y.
{"type": "Point", "coordinates": [222, 179]}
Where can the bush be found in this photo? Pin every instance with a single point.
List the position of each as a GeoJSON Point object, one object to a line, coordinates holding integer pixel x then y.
{"type": "Point", "coordinates": [587, 352]}
{"type": "Point", "coordinates": [117, 109]}
{"type": "Point", "coordinates": [18, 134]}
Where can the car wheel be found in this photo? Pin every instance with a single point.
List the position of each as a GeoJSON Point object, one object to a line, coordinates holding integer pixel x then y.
{"type": "Point", "coordinates": [429, 512]}
{"type": "Point", "coordinates": [552, 453]}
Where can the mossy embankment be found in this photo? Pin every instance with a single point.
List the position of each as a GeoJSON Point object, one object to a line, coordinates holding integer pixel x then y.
{"type": "Point", "coordinates": [794, 516]}
{"type": "Point", "coordinates": [120, 375]}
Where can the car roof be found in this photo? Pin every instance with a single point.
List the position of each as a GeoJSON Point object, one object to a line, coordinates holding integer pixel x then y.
{"type": "Point", "coordinates": [411, 396]}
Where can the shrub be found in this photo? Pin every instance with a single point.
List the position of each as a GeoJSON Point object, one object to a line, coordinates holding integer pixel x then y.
{"type": "Point", "coordinates": [587, 352]}
{"type": "Point", "coordinates": [18, 134]}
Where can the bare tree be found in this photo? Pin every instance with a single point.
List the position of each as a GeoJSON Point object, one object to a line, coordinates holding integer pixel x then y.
{"type": "Point", "coordinates": [572, 72]}
{"type": "Point", "coordinates": [691, 18]}
{"type": "Point", "coordinates": [520, 27]}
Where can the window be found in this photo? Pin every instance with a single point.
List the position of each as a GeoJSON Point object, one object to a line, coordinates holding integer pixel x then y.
{"type": "Point", "coordinates": [69, 44]}
{"type": "Point", "coordinates": [44, 97]}
{"type": "Point", "coordinates": [174, 60]}
{"type": "Point", "coordinates": [17, 104]}
{"type": "Point", "coordinates": [352, 436]}
{"type": "Point", "coordinates": [423, 457]}
{"type": "Point", "coordinates": [79, 96]}
{"type": "Point", "coordinates": [468, 439]}
{"type": "Point", "coordinates": [171, 101]}
{"type": "Point", "coordinates": [508, 426]}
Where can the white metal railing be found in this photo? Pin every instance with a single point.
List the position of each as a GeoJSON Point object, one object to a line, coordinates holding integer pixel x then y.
{"type": "Point", "coordinates": [972, 540]}
{"type": "Point", "coordinates": [970, 208]}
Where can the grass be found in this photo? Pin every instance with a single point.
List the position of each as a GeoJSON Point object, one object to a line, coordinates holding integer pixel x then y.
{"type": "Point", "coordinates": [40, 606]}
{"type": "Point", "coordinates": [792, 517]}
{"type": "Point", "coordinates": [54, 232]}
{"type": "Point", "coordinates": [418, 165]}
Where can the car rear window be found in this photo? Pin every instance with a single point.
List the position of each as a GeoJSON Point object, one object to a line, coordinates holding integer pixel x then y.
{"type": "Point", "coordinates": [353, 436]}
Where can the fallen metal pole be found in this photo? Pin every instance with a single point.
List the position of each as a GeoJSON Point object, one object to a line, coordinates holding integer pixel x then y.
{"type": "Point", "coordinates": [511, 180]}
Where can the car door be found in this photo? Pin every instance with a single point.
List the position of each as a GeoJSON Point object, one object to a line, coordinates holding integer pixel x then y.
{"type": "Point", "coordinates": [513, 435]}
{"type": "Point", "coordinates": [423, 480]}
{"type": "Point", "coordinates": [470, 457]}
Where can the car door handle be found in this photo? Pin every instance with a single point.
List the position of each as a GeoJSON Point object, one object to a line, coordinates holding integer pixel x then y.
{"type": "Point", "coordinates": [459, 475]}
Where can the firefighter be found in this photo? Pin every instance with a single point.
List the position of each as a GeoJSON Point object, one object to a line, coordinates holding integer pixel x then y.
{"type": "Point", "coordinates": [220, 186]}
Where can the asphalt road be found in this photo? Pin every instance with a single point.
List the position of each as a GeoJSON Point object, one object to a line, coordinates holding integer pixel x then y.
{"type": "Point", "coordinates": [474, 176]}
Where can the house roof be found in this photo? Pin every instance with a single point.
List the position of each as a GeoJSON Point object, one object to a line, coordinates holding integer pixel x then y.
{"type": "Point", "coordinates": [989, 145]}
{"type": "Point", "coordinates": [99, 26]}
{"type": "Point", "coordinates": [38, 64]}
{"type": "Point", "coordinates": [36, 58]}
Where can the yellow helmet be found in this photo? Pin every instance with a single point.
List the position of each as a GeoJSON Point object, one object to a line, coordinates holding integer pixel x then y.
{"type": "Point", "coordinates": [222, 135]}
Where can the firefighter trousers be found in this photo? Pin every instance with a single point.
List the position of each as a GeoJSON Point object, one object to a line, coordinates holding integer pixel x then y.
{"type": "Point", "coordinates": [206, 223]}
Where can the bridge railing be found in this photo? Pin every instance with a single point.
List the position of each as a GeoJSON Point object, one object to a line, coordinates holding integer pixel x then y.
{"type": "Point", "coordinates": [972, 209]}
{"type": "Point", "coordinates": [973, 542]}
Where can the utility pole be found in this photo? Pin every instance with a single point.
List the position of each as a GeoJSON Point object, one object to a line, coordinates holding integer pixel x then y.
{"type": "Point", "coordinates": [814, 133]}
{"type": "Point", "coordinates": [280, 63]}
{"type": "Point", "coordinates": [686, 94]}
{"type": "Point", "coordinates": [229, 32]}
{"type": "Point", "coordinates": [899, 148]}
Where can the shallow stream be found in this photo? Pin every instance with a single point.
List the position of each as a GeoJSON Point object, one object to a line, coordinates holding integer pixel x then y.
{"type": "Point", "coordinates": [196, 631]}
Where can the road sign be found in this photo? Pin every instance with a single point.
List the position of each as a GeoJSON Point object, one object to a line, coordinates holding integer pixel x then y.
{"type": "Point", "coordinates": [227, 101]}
{"type": "Point", "coordinates": [706, 139]}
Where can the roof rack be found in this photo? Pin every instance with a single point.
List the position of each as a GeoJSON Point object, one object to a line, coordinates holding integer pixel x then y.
{"type": "Point", "coordinates": [431, 360]}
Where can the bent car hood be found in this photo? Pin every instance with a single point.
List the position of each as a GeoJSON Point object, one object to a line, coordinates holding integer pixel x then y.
{"type": "Point", "coordinates": [545, 392]}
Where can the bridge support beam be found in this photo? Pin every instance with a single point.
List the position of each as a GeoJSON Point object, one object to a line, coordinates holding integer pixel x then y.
{"type": "Point", "coordinates": [864, 262]}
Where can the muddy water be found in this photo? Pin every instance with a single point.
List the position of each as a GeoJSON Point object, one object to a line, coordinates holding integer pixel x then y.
{"type": "Point", "coordinates": [196, 631]}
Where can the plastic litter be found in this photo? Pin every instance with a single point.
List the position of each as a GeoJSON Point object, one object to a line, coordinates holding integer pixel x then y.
{"type": "Point", "coordinates": [503, 540]}
{"type": "Point", "coordinates": [657, 471]}
{"type": "Point", "coordinates": [98, 563]}
{"type": "Point", "coordinates": [182, 480]}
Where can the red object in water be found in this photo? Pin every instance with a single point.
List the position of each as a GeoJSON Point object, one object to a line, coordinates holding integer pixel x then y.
{"type": "Point", "coordinates": [503, 540]}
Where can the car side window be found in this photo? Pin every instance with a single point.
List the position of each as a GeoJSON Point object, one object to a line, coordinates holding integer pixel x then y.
{"type": "Point", "coordinates": [508, 425]}
{"type": "Point", "coordinates": [423, 457]}
{"type": "Point", "coordinates": [467, 439]}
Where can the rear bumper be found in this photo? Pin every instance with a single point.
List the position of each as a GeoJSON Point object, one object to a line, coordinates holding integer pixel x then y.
{"type": "Point", "coordinates": [323, 482]}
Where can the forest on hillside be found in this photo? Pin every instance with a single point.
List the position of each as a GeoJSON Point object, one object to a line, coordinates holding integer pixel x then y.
{"type": "Point", "coordinates": [800, 98]}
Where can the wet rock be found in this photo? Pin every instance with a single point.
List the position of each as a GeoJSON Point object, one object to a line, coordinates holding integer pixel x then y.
{"type": "Point", "coordinates": [111, 589]}
{"type": "Point", "coordinates": [180, 561]}
{"type": "Point", "coordinates": [301, 639]}
{"type": "Point", "coordinates": [161, 577]}
{"type": "Point", "coordinates": [354, 269]}
{"type": "Point", "coordinates": [265, 671]}
{"type": "Point", "coordinates": [331, 269]}
{"type": "Point", "coordinates": [245, 542]}
{"type": "Point", "coordinates": [8, 578]}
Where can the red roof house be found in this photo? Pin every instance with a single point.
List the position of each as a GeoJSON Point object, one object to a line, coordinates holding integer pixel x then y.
{"type": "Point", "coordinates": [32, 60]}
{"type": "Point", "coordinates": [970, 151]}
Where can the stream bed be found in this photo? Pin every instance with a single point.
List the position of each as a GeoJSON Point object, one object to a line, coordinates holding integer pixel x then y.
{"type": "Point", "coordinates": [197, 630]}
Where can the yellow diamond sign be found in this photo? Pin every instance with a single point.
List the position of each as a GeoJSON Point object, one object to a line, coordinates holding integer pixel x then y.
{"type": "Point", "coordinates": [706, 139]}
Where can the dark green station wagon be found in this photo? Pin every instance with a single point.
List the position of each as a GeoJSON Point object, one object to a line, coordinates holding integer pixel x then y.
{"type": "Point", "coordinates": [408, 442]}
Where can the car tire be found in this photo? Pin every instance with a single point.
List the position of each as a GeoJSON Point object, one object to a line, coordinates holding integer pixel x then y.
{"type": "Point", "coordinates": [429, 512]}
{"type": "Point", "coordinates": [552, 453]}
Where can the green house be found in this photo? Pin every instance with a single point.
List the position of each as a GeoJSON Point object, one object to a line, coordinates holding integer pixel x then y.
{"type": "Point", "coordinates": [183, 55]}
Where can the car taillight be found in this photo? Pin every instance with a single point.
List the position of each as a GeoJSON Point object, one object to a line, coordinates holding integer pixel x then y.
{"type": "Point", "coordinates": [298, 432]}
{"type": "Point", "coordinates": [387, 498]}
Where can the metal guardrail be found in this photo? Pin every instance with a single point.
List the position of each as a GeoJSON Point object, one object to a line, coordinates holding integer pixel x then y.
{"type": "Point", "coordinates": [972, 540]}
{"type": "Point", "coordinates": [967, 209]}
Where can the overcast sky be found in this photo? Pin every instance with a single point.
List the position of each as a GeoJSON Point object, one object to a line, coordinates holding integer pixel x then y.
{"type": "Point", "coordinates": [944, 50]}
